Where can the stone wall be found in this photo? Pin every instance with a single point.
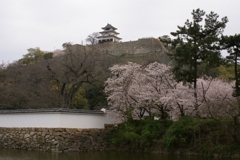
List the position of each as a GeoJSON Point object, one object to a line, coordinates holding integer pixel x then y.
{"type": "Point", "coordinates": [141, 46]}
{"type": "Point", "coordinates": [142, 51]}
{"type": "Point", "coordinates": [55, 139]}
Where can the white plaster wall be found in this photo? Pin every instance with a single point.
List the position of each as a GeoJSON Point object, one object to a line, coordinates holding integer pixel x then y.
{"type": "Point", "coordinates": [54, 120]}
{"type": "Point", "coordinates": [29, 120]}
{"type": "Point", "coordinates": [83, 120]}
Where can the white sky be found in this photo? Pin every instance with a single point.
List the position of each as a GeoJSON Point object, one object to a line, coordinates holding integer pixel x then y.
{"type": "Point", "coordinates": [50, 23]}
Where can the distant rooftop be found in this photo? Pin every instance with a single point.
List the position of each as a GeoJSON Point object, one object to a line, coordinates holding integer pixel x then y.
{"type": "Point", "coordinates": [109, 26]}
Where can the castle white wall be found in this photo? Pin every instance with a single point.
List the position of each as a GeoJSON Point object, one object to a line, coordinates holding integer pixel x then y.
{"type": "Point", "coordinates": [84, 120]}
{"type": "Point", "coordinates": [53, 120]}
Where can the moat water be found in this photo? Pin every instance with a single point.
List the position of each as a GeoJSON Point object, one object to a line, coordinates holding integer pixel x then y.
{"type": "Point", "coordinates": [12, 154]}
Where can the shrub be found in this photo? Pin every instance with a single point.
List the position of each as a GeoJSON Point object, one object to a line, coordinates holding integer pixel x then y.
{"type": "Point", "coordinates": [139, 134]}
{"type": "Point", "coordinates": [187, 131]}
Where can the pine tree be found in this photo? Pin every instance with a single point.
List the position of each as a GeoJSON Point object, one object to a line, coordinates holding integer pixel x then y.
{"type": "Point", "coordinates": [196, 42]}
{"type": "Point", "coordinates": [232, 44]}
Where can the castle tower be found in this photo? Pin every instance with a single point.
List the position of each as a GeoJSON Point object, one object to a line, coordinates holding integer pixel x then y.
{"type": "Point", "coordinates": [108, 34]}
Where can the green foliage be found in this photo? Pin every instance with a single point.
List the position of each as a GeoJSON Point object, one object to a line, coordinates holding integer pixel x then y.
{"type": "Point", "coordinates": [33, 56]}
{"type": "Point", "coordinates": [185, 132]}
{"type": "Point", "coordinates": [196, 44]}
{"type": "Point", "coordinates": [226, 72]}
{"type": "Point", "coordinates": [139, 134]}
{"type": "Point", "coordinates": [48, 55]}
{"type": "Point", "coordinates": [80, 102]}
{"type": "Point", "coordinates": [178, 133]}
{"type": "Point", "coordinates": [211, 72]}
{"type": "Point", "coordinates": [220, 150]}
{"type": "Point", "coordinates": [96, 97]}
{"type": "Point", "coordinates": [203, 136]}
{"type": "Point", "coordinates": [232, 44]}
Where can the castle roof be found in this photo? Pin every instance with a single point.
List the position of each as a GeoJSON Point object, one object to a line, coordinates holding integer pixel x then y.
{"type": "Point", "coordinates": [108, 26]}
{"type": "Point", "coordinates": [113, 31]}
{"type": "Point", "coordinates": [109, 36]}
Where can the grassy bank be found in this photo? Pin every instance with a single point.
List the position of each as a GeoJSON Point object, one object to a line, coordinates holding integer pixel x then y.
{"type": "Point", "coordinates": [202, 136]}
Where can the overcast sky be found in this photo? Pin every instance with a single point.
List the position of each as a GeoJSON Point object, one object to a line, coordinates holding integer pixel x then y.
{"type": "Point", "coordinates": [50, 23]}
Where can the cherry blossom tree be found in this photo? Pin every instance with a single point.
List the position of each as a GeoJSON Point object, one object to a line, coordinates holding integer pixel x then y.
{"type": "Point", "coordinates": [216, 98]}
{"type": "Point", "coordinates": [117, 90]}
{"type": "Point", "coordinates": [135, 91]}
{"type": "Point", "coordinates": [181, 99]}
{"type": "Point", "coordinates": [150, 85]}
{"type": "Point", "coordinates": [150, 90]}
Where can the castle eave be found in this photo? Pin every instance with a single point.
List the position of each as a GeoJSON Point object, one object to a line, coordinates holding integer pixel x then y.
{"type": "Point", "coordinates": [108, 37]}
{"type": "Point", "coordinates": [107, 31]}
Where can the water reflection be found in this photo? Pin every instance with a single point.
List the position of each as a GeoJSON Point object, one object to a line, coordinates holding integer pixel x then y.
{"type": "Point", "coordinates": [10, 154]}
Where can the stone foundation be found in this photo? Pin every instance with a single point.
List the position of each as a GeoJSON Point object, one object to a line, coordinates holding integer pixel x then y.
{"type": "Point", "coordinates": [55, 139]}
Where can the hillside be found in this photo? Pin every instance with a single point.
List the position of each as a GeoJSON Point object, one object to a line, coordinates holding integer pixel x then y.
{"type": "Point", "coordinates": [74, 79]}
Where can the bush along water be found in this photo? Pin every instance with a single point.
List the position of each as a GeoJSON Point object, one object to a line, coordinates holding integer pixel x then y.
{"type": "Point", "coordinates": [139, 135]}
{"type": "Point", "coordinates": [202, 136]}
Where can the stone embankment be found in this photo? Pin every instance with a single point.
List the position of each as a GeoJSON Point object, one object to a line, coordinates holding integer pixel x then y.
{"type": "Point", "coordinates": [141, 46]}
{"type": "Point", "coordinates": [55, 139]}
{"type": "Point", "coordinates": [138, 47]}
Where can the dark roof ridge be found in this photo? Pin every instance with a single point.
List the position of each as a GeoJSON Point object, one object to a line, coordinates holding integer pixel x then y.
{"type": "Point", "coordinates": [53, 110]}
{"type": "Point", "coordinates": [108, 26]}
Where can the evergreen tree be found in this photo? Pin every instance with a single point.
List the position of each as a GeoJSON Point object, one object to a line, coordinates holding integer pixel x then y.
{"type": "Point", "coordinates": [196, 42]}
{"type": "Point", "coordinates": [33, 56]}
{"type": "Point", "coordinates": [232, 44]}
